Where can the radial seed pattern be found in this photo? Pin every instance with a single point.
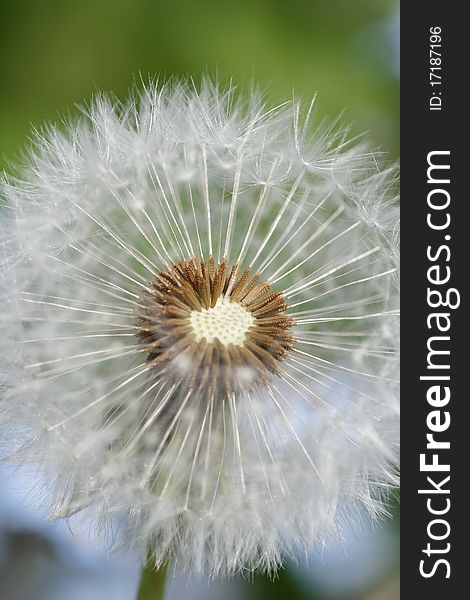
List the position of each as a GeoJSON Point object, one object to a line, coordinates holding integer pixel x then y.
{"type": "Point", "coordinates": [193, 297]}
{"type": "Point", "coordinates": [228, 410]}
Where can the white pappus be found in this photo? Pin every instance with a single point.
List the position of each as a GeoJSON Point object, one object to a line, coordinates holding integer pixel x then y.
{"type": "Point", "coordinates": [199, 324]}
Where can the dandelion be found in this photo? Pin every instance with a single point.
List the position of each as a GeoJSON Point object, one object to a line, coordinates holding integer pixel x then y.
{"type": "Point", "coordinates": [199, 325]}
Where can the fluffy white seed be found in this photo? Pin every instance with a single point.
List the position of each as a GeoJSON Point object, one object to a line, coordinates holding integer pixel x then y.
{"type": "Point", "coordinates": [231, 447]}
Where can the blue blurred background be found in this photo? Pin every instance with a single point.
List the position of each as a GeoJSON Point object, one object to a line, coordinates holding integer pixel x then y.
{"type": "Point", "coordinates": [53, 56]}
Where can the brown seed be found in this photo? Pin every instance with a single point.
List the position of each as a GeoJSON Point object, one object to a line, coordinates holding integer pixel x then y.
{"type": "Point", "coordinates": [180, 323]}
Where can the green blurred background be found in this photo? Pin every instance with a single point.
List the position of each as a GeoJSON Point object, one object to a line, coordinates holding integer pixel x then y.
{"type": "Point", "coordinates": [54, 54]}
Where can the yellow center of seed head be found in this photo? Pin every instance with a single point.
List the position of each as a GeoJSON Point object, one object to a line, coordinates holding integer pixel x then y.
{"type": "Point", "coordinates": [227, 321]}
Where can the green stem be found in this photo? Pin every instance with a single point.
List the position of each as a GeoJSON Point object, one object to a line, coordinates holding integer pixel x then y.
{"type": "Point", "coordinates": [152, 584]}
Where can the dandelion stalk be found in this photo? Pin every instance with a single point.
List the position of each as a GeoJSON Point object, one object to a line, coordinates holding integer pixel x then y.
{"type": "Point", "coordinates": [152, 584]}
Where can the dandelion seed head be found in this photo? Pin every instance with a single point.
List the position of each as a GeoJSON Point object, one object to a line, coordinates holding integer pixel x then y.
{"type": "Point", "coordinates": [215, 321]}
{"type": "Point", "coordinates": [199, 324]}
